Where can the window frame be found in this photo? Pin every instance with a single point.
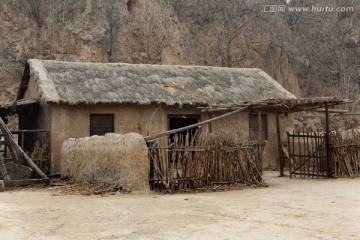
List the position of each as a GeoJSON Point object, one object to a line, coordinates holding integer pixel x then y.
{"type": "Point", "coordinates": [111, 127]}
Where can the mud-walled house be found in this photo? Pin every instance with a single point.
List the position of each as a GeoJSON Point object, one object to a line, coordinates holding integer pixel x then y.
{"type": "Point", "coordinates": [73, 100]}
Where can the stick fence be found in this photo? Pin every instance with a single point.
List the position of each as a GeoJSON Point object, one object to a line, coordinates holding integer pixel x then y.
{"type": "Point", "coordinates": [192, 162]}
{"type": "Point", "coordinates": [345, 153]}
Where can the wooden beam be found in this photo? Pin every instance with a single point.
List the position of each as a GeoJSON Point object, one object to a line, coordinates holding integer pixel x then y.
{"type": "Point", "coordinates": [330, 110]}
{"type": "Point", "coordinates": [221, 109]}
{"type": "Point", "coordinates": [148, 138]}
{"type": "Point", "coordinates": [281, 105]}
{"type": "Point", "coordinates": [327, 143]}
{"type": "Point", "coordinates": [23, 182]}
{"type": "Point", "coordinates": [29, 131]}
{"type": "Point", "coordinates": [281, 167]}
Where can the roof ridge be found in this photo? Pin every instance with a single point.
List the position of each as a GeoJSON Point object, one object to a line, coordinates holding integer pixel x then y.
{"type": "Point", "coordinates": [146, 64]}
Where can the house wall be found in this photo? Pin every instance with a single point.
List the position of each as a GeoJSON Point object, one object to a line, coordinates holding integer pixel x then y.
{"type": "Point", "coordinates": [74, 122]}
{"type": "Point", "coordinates": [270, 153]}
{"type": "Point", "coordinates": [239, 124]}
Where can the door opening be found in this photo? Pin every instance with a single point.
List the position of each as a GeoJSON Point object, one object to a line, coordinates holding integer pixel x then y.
{"type": "Point", "coordinates": [182, 120]}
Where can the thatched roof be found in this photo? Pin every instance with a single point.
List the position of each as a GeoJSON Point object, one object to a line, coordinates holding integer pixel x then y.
{"type": "Point", "coordinates": [91, 83]}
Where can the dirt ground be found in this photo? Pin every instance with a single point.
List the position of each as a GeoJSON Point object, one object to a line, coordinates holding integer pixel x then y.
{"type": "Point", "coordinates": [287, 209]}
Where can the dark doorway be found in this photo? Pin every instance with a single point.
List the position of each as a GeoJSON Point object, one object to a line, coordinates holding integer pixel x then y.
{"type": "Point", "coordinates": [179, 121]}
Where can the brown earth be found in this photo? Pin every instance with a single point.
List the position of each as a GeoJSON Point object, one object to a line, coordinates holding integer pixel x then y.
{"type": "Point", "coordinates": [287, 209]}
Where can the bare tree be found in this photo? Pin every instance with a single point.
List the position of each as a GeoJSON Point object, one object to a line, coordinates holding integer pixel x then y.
{"type": "Point", "coordinates": [115, 21]}
{"type": "Point", "coordinates": [229, 25]}
{"type": "Point", "coordinates": [223, 32]}
{"type": "Point", "coordinates": [35, 6]}
{"type": "Point", "coordinates": [152, 20]}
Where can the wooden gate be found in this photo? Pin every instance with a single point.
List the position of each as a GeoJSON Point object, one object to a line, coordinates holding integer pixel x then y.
{"type": "Point", "coordinates": [307, 154]}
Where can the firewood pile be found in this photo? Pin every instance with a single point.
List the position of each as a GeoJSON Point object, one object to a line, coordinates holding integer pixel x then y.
{"type": "Point", "coordinates": [345, 153]}
{"type": "Point", "coordinates": [200, 161]}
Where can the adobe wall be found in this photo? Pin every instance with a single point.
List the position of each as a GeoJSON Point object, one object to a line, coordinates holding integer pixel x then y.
{"type": "Point", "coordinates": [270, 154]}
{"type": "Point", "coordinates": [239, 124]}
{"type": "Point", "coordinates": [74, 122]}
{"type": "Point", "coordinates": [120, 160]}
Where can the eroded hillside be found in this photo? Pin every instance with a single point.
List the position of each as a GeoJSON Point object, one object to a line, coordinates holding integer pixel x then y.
{"type": "Point", "coordinates": [311, 54]}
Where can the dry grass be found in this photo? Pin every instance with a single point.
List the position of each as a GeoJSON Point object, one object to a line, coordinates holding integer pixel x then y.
{"type": "Point", "coordinates": [91, 83]}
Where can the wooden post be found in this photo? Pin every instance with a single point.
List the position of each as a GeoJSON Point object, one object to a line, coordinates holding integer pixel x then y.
{"type": "Point", "coordinates": [260, 139]}
{"type": "Point", "coordinates": [290, 149]}
{"type": "Point", "coordinates": [209, 124]}
{"type": "Point", "coordinates": [4, 172]}
{"type": "Point", "coordinates": [327, 143]}
{"type": "Point", "coordinates": [22, 139]}
{"type": "Point", "coordinates": [281, 167]}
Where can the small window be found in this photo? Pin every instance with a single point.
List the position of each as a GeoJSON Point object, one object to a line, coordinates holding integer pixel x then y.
{"type": "Point", "coordinates": [254, 127]}
{"type": "Point", "coordinates": [101, 124]}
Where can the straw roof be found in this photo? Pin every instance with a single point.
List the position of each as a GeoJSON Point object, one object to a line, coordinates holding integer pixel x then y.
{"type": "Point", "coordinates": [91, 83]}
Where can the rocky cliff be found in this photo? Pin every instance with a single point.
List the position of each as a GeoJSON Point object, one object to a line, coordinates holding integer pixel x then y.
{"type": "Point", "coordinates": [311, 54]}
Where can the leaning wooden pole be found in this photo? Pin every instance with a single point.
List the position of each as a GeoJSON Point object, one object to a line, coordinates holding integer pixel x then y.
{"type": "Point", "coordinates": [148, 138]}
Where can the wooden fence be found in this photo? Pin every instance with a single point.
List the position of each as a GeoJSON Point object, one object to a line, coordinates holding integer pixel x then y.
{"type": "Point", "coordinates": [192, 162]}
{"type": "Point", "coordinates": [345, 153]}
{"type": "Point", "coordinates": [307, 154]}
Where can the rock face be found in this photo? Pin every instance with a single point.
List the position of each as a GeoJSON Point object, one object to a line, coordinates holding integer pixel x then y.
{"type": "Point", "coordinates": [315, 61]}
{"type": "Point", "coordinates": [121, 160]}
{"type": "Point", "coordinates": [88, 31]}
{"type": "Point", "coordinates": [137, 31]}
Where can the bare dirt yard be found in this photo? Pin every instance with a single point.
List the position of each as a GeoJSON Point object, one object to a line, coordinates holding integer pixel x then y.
{"type": "Point", "coordinates": [287, 209]}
